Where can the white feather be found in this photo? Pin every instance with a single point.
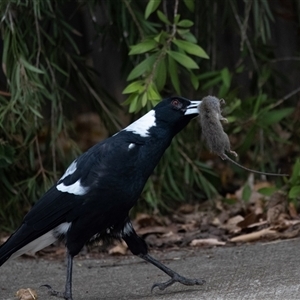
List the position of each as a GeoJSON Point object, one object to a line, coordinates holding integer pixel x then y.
{"type": "Point", "coordinates": [75, 188]}
{"type": "Point", "coordinates": [36, 245]}
{"type": "Point", "coordinates": [72, 168]}
{"type": "Point", "coordinates": [143, 124]}
{"type": "Point", "coordinates": [43, 241]}
{"type": "Point", "coordinates": [131, 146]}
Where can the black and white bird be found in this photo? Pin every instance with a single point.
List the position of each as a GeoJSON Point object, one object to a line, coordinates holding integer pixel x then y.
{"type": "Point", "coordinates": [92, 199]}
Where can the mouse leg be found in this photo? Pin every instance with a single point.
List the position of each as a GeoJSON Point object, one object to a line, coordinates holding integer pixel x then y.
{"type": "Point", "coordinates": [233, 153]}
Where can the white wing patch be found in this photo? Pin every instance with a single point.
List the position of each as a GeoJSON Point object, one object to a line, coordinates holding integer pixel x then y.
{"type": "Point", "coordinates": [143, 124]}
{"type": "Point", "coordinates": [71, 169]}
{"type": "Point", "coordinates": [75, 188]}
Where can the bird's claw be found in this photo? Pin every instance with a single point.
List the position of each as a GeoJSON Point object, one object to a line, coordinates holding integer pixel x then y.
{"type": "Point", "coordinates": [180, 279]}
{"type": "Point", "coordinates": [52, 292]}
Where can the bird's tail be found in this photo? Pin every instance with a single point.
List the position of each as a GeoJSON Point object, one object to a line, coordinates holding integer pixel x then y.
{"type": "Point", "coordinates": [25, 240]}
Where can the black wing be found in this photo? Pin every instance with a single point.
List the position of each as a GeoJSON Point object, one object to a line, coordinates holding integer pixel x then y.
{"type": "Point", "coordinates": [53, 207]}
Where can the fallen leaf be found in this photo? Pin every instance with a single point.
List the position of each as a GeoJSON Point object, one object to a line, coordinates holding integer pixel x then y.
{"type": "Point", "coordinates": [277, 208]}
{"type": "Point", "coordinates": [206, 242]}
{"type": "Point", "coordinates": [186, 208]}
{"type": "Point", "coordinates": [250, 219]}
{"type": "Point", "coordinates": [250, 237]}
{"type": "Point", "coordinates": [26, 294]}
{"type": "Point", "coordinates": [119, 249]}
{"type": "Point", "coordinates": [145, 220]}
{"type": "Point", "coordinates": [293, 211]}
{"type": "Point", "coordinates": [152, 229]}
{"type": "Point", "coordinates": [232, 224]}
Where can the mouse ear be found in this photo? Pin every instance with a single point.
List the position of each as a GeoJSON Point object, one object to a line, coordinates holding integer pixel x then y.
{"type": "Point", "coordinates": [222, 101]}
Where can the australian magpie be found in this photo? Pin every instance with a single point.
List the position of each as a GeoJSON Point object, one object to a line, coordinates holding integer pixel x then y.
{"type": "Point", "coordinates": [93, 197]}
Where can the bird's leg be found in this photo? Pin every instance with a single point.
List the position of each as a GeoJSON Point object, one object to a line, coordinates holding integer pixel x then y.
{"type": "Point", "coordinates": [175, 277]}
{"type": "Point", "coordinates": [67, 294]}
{"type": "Point", "coordinates": [139, 247]}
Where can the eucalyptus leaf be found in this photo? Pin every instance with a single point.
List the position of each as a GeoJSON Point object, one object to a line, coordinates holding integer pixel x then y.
{"type": "Point", "coordinates": [184, 60]}
{"type": "Point", "coordinates": [191, 48]}
{"type": "Point", "coordinates": [142, 67]}
{"type": "Point", "coordinates": [143, 47]}
{"type": "Point", "coordinates": [151, 7]}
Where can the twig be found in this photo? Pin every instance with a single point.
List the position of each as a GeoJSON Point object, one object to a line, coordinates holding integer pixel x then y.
{"type": "Point", "coordinates": [5, 94]}
{"type": "Point", "coordinates": [41, 170]}
{"type": "Point", "coordinates": [287, 96]}
{"type": "Point", "coordinates": [248, 6]}
{"type": "Point", "coordinates": [284, 59]}
{"type": "Point", "coordinates": [39, 40]}
{"type": "Point", "coordinates": [164, 50]}
{"type": "Point", "coordinates": [165, 9]}
{"type": "Point", "coordinates": [238, 20]}
{"type": "Point", "coordinates": [134, 19]}
{"type": "Point", "coordinates": [93, 92]}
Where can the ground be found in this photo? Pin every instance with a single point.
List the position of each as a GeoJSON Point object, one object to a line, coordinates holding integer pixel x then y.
{"type": "Point", "coordinates": [259, 271]}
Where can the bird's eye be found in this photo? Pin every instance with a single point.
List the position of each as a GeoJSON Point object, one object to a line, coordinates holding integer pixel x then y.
{"type": "Point", "coordinates": [176, 103]}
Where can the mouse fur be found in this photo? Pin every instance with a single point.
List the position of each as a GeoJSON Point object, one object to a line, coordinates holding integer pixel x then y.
{"type": "Point", "coordinates": [213, 133]}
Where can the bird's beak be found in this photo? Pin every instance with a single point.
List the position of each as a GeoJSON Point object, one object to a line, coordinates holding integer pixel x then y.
{"type": "Point", "coordinates": [192, 109]}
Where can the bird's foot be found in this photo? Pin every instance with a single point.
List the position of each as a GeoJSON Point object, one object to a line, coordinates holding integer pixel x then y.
{"type": "Point", "coordinates": [180, 279]}
{"type": "Point", "coordinates": [52, 292]}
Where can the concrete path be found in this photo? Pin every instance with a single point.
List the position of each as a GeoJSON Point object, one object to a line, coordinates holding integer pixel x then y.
{"type": "Point", "coordinates": [257, 271]}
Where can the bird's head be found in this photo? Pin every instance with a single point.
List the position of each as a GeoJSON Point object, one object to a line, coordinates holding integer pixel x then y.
{"type": "Point", "coordinates": [176, 112]}
{"type": "Point", "coordinates": [171, 114]}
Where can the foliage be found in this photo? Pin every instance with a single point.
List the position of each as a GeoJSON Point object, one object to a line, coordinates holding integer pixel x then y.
{"type": "Point", "coordinates": [190, 48]}
{"type": "Point", "coordinates": [41, 62]}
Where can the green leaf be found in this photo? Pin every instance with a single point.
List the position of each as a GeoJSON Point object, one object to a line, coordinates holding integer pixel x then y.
{"type": "Point", "coordinates": [268, 191]}
{"type": "Point", "coordinates": [191, 48]}
{"type": "Point", "coordinates": [184, 60]}
{"type": "Point", "coordinates": [176, 19]}
{"type": "Point", "coordinates": [211, 83]}
{"type": "Point", "coordinates": [190, 4]}
{"type": "Point", "coordinates": [187, 35]}
{"type": "Point", "coordinates": [294, 192]}
{"type": "Point", "coordinates": [133, 98]}
{"type": "Point", "coordinates": [226, 77]}
{"type": "Point", "coordinates": [173, 72]}
{"type": "Point", "coordinates": [163, 17]}
{"type": "Point", "coordinates": [135, 86]}
{"type": "Point", "coordinates": [144, 99]}
{"type": "Point", "coordinates": [142, 47]}
{"type": "Point", "coordinates": [194, 81]}
{"type": "Point", "coordinates": [152, 93]}
{"type": "Point", "coordinates": [130, 99]}
{"type": "Point", "coordinates": [185, 23]}
{"type": "Point", "coordinates": [142, 67]}
{"type": "Point", "coordinates": [295, 177]}
{"type": "Point", "coordinates": [246, 194]}
{"type": "Point", "coordinates": [151, 7]}
{"type": "Point", "coordinates": [30, 67]}
{"type": "Point", "coordinates": [36, 112]}
{"type": "Point", "coordinates": [272, 117]}
{"type": "Point", "coordinates": [161, 75]}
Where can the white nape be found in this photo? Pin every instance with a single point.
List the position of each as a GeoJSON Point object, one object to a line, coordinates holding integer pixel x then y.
{"type": "Point", "coordinates": [143, 124]}
{"type": "Point", "coordinates": [75, 188]}
{"type": "Point", "coordinates": [71, 169]}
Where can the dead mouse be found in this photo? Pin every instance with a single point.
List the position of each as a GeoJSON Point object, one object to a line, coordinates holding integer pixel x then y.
{"type": "Point", "coordinates": [212, 131]}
